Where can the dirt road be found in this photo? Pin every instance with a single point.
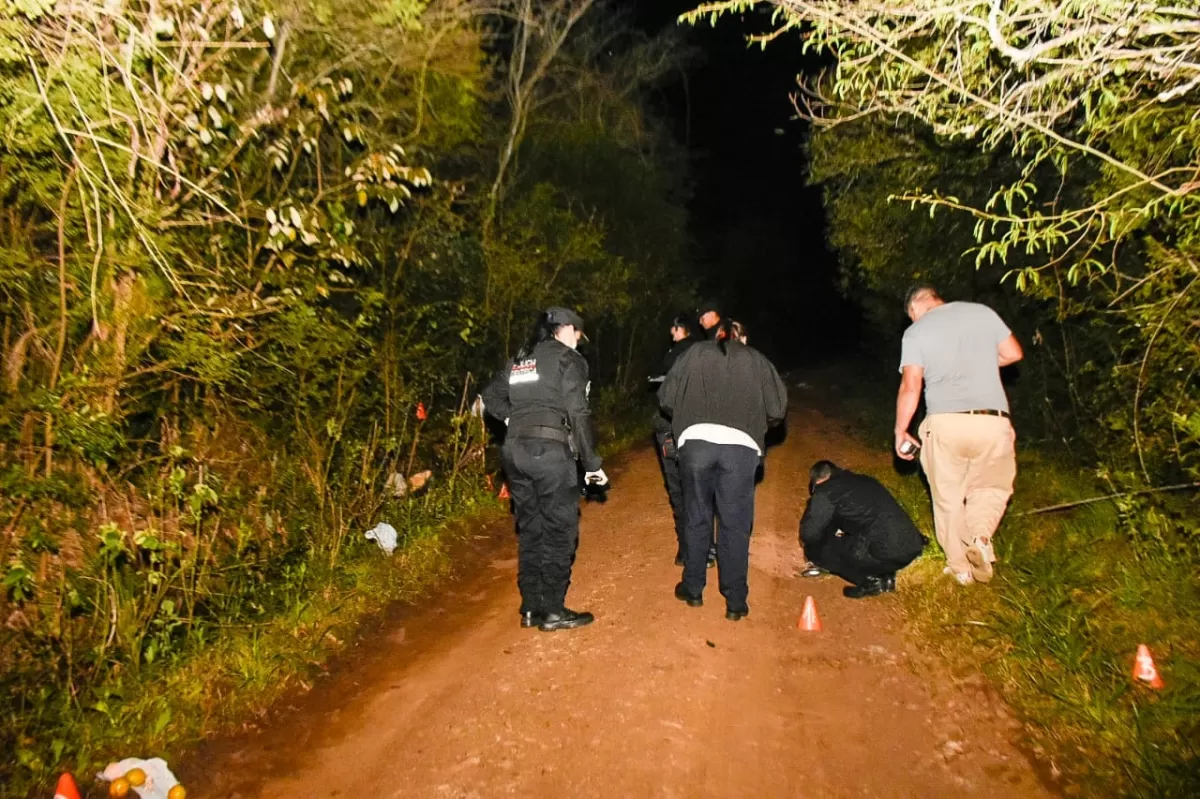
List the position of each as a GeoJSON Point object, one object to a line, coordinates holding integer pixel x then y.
{"type": "Point", "coordinates": [655, 699]}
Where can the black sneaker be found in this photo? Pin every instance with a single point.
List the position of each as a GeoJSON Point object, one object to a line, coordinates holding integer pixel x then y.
{"type": "Point", "coordinates": [737, 615]}
{"type": "Point", "coordinates": [530, 619]}
{"type": "Point", "coordinates": [889, 583]}
{"type": "Point", "coordinates": [682, 595]}
{"type": "Point", "coordinates": [567, 620]}
{"type": "Point", "coordinates": [712, 556]}
{"type": "Point", "coordinates": [872, 586]}
{"type": "Point", "coordinates": [812, 570]}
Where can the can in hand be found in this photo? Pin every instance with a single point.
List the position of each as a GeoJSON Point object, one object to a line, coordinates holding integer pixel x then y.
{"type": "Point", "coordinates": [908, 448]}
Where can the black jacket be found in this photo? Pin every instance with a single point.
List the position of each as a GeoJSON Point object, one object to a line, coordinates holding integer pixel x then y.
{"type": "Point", "coordinates": [662, 425]}
{"type": "Point", "coordinates": [675, 353]}
{"type": "Point", "coordinates": [549, 389]}
{"type": "Point", "coordinates": [859, 505]}
{"type": "Point", "coordinates": [737, 388]}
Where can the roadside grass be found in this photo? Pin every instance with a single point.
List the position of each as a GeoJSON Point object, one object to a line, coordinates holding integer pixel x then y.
{"type": "Point", "coordinates": [229, 682]}
{"type": "Point", "coordinates": [1058, 628]}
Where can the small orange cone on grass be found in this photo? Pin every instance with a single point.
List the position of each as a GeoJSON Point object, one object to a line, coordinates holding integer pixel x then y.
{"type": "Point", "coordinates": [504, 492]}
{"type": "Point", "coordinates": [67, 789]}
{"type": "Point", "coordinates": [1144, 669]}
{"type": "Point", "coordinates": [809, 620]}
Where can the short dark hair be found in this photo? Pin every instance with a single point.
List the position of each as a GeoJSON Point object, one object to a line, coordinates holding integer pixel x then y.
{"type": "Point", "coordinates": [917, 290]}
{"type": "Point", "coordinates": [685, 321]}
{"type": "Point", "coordinates": [820, 471]}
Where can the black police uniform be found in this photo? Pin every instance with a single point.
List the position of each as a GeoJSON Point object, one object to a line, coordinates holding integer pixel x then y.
{"type": "Point", "coordinates": [668, 456]}
{"type": "Point", "coordinates": [544, 398]}
{"type": "Point", "coordinates": [878, 537]}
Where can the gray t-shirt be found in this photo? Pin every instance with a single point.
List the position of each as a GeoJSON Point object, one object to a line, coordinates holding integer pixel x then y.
{"type": "Point", "coordinates": [957, 344]}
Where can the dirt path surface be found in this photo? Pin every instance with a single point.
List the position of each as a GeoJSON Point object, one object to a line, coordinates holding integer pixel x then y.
{"type": "Point", "coordinates": [653, 700]}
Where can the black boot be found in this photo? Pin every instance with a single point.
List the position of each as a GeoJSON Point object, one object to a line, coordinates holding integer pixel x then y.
{"type": "Point", "coordinates": [682, 594]}
{"type": "Point", "coordinates": [737, 615]}
{"type": "Point", "coordinates": [566, 620]}
{"type": "Point", "coordinates": [531, 618]}
{"type": "Point", "coordinates": [872, 586]}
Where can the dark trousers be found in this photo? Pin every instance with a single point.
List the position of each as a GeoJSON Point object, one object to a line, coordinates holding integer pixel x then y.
{"type": "Point", "coordinates": [545, 491]}
{"type": "Point", "coordinates": [856, 560]}
{"type": "Point", "coordinates": [668, 458]}
{"type": "Point", "coordinates": [718, 479]}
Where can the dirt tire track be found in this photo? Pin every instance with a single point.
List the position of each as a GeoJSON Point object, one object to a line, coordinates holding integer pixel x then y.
{"type": "Point", "coordinates": [655, 699]}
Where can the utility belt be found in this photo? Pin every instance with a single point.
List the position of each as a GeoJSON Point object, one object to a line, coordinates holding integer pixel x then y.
{"type": "Point", "coordinates": [543, 432]}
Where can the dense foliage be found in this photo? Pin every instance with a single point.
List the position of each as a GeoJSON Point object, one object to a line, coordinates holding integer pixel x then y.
{"type": "Point", "coordinates": [1042, 157]}
{"type": "Point", "coordinates": [254, 259]}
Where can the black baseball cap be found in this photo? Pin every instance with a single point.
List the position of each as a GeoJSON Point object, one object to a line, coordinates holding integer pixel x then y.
{"type": "Point", "coordinates": [707, 306]}
{"type": "Point", "coordinates": [557, 315]}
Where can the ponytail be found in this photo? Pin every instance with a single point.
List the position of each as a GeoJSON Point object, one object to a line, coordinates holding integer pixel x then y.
{"type": "Point", "coordinates": [543, 330]}
{"type": "Point", "coordinates": [724, 334]}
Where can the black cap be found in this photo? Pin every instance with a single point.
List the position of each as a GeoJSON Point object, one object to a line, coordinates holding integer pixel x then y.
{"type": "Point", "coordinates": [558, 315]}
{"type": "Point", "coordinates": [708, 305]}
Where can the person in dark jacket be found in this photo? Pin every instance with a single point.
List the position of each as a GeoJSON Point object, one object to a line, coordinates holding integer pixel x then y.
{"type": "Point", "coordinates": [542, 395]}
{"type": "Point", "coordinates": [710, 318]}
{"type": "Point", "coordinates": [854, 528]}
{"type": "Point", "coordinates": [721, 396]}
{"type": "Point", "coordinates": [668, 454]}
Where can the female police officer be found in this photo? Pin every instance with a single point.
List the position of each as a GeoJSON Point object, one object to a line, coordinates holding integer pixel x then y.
{"type": "Point", "coordinates": [542, 395]}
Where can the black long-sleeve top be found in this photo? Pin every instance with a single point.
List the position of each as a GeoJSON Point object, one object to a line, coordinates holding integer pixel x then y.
{"type": "Point", "coordinates": [736, 387]}
{"type": "Point", "coordinates": [549, 388]}
{"type": "Point", "coordinates": [858, 505]}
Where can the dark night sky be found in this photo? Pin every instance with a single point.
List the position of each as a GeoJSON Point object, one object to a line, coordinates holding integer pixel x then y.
{"type": "Point", "coordinates": [758, 229]}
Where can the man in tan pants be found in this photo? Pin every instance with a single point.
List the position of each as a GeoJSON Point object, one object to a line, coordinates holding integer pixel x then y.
{"type": "Point", "coordinates": [967, 441]}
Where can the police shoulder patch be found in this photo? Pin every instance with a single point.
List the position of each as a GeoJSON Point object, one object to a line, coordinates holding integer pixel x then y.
{"type": "Point", "coordinates": [523, 372]}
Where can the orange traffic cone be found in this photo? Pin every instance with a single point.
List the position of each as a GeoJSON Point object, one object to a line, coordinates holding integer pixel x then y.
{"type": "Point", "coordinates": [66, 787]}
{"type": "Point", "coordinates": [1144, 670]}
{"type": "Point", "coordinates": [809, 620]}
{"type": "Point", "coordinates": [504, 492]}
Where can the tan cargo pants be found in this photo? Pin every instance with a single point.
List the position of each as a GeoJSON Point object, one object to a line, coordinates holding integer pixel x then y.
{"type": "Point", "coordinates": [971, 462]}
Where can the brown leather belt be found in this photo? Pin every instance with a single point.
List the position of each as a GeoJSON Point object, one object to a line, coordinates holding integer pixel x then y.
{"type": "Point", "coordinates": [987, 412]}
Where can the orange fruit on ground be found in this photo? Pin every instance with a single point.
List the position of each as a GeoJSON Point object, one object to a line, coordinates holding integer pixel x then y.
{"type": "Point", "coordinates": [136, 777]}
{"type": "Point", "coordinates": [118, 788]}
{"type": "Point", "coordinates": [177, 792]}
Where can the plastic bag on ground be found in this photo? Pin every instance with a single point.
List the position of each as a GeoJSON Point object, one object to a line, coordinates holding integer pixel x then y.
{"type": "Point", "coordinates": [159, 779]}
{"type": "Point", "coordinates": [384, 535]}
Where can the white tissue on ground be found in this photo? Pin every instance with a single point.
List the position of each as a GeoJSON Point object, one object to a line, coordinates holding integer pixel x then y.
{"type": "Point", "coordinates": [159, 779]}
{"type": "Point", "coordinates": [384, 535]}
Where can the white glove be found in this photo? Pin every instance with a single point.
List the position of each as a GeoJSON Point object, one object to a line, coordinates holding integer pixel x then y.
{"type": "Point", "coordinates": [597, 477]}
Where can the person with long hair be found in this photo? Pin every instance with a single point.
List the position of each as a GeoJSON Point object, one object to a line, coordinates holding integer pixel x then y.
{"type": "Point", "coordinates": [721, 397]}
{"type": "Point", "coordinates": [542, 396]}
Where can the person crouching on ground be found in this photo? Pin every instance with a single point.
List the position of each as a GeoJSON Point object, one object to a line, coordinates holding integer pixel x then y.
{"type": "Point", "coordinates": [854, 528]}
{"type": "Point", "coordinates": [721, 396]}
